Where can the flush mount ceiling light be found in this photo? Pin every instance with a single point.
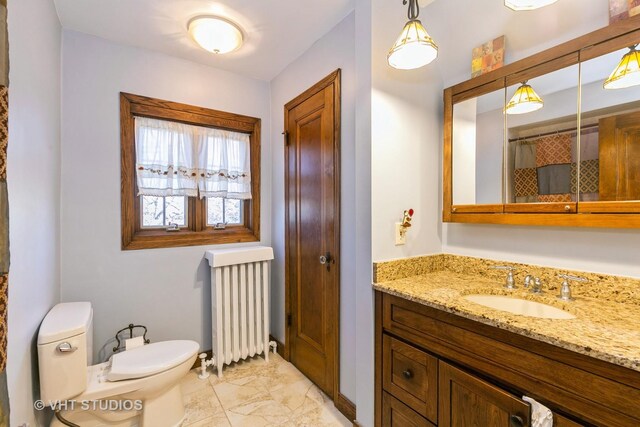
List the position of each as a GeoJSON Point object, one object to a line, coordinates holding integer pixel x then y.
{"type": "Point", "coordinates": [627, 73]}
{"type": "Point", "coordinates": [414, 48]}
{"type": "Point", "coordinates": [217, 35]}
{"type": "Point", "coordinates": [525, 100]}
{"type": "Point", "coordinates": [527, 4]}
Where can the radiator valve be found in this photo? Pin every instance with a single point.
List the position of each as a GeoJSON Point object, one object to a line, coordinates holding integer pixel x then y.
{"type": "Point", "coordinates": [204, 363]}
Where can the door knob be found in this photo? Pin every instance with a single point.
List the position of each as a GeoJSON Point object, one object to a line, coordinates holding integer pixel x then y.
{"type": "Point", "coordinates": [407, 374]}
{"type": "Point", "coordinates": [327, 260]}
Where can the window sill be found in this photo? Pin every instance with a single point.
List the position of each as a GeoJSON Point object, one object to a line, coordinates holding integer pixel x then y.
{"type": "Point", "coordinates": [155, 239]}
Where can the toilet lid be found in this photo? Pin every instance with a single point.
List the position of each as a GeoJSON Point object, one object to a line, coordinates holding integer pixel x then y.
{"type": "Point", "coordinates": [150, 359]}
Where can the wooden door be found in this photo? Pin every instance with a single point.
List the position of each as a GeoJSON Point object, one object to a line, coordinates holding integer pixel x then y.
{"type": "Point", "coordinates": [467, 401]}
{"type": "Point", "coordinates": [619, 138]}
{"type": "Point", "coordinates": [312, 217]}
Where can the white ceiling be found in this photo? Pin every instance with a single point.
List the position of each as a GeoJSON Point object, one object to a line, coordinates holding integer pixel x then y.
{"type": "Point", "coordinates": [276, 31]}
{"type": "Point", "coordinates": [458, 26]}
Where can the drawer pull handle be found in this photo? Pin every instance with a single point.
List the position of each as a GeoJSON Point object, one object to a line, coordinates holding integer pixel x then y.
{"type": "Point", "coordinates": [516, 421]}
{"type": "Point", "coordinates": [407, 374]}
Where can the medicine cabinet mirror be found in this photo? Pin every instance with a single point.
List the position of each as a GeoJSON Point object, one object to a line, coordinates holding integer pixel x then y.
{"type": "Point", "coordinates": [553, 139]}
{"type": "Point", "coordinates": [478, 144]}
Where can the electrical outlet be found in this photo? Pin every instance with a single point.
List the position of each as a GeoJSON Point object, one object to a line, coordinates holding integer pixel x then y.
{"type": "Point", "coordinates": [401, 235]}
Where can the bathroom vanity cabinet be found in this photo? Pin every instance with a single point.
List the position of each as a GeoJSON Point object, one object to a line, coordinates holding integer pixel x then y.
{"type": "Point", "coordinates": [439, 369]}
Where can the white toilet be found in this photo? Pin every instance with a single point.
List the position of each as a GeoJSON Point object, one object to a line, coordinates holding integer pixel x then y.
{"type": "Point", "coordinates": [138, 387]}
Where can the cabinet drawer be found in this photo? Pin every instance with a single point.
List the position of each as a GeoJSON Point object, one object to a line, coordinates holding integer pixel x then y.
{"type": "Point", "coordinates": [397, 414]}
{"type": "Point", "coordinates": [411, 375]}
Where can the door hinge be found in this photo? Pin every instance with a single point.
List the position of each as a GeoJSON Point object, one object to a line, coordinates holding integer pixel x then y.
{"type": "Point", "coordinates": [286, 137]}
{"type": "Point", "coordinates": [289, 317]}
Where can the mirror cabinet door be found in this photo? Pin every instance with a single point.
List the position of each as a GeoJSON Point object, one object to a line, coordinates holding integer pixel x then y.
{"type": "Point", "coordinates": [552, 139]}
{"type": "Point", "coordinates": [477, 151]}
{"type": "Point", "coordinates": [609, 179]}
{"type": "Point", "coordinates": [542, 142]}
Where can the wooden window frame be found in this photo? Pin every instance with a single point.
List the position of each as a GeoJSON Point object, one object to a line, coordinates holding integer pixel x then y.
{"type": "Point", "coordinates": [197, 232]}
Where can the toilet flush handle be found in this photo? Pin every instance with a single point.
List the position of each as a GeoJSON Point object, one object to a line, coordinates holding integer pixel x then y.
{"type": "Point", "coordinates": [65, 347]}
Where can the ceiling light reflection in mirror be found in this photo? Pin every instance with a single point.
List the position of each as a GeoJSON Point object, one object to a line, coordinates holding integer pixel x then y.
{"type": "Point", "coordinates": [627, 73]}
{"type": "Point", "coordinates": [525, 100]}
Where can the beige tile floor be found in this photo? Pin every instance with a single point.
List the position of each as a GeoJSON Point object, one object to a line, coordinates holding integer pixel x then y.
{"type": "Point", "coordinates": [255, 393]}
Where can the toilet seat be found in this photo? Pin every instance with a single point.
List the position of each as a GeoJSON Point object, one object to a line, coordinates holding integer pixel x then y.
{"type": "Point", "coordinates": [150, 359]}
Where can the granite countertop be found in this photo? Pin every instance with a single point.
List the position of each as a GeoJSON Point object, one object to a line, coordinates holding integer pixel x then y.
{"type": "Point", "coordinates": [604, 329]}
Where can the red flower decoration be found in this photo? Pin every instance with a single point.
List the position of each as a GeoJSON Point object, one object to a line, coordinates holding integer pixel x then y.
{"type": "Point", "coordinates": [410, 212]}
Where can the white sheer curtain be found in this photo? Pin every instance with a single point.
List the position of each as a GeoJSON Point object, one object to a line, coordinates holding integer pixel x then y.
{"type": "Point", "coordinates": [225, 164]}
{"type": "Point", "coordinates": [175, 159]}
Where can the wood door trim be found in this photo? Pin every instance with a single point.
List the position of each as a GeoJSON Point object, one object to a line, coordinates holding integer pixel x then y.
{"type": "Point", "coordinates": [332, 79]}
{"type": "Point", "coordinates": [346, 407]}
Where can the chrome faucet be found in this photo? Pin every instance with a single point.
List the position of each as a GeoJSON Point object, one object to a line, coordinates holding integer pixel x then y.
{"type": "Point", "coordinates": [527, 280]}
{"type": "Point", "coordinates": [534, 282]}
{"type": "Point", "coordinates": [565, 290]}
{"type": "Point", "coordinates": [536, 288]}
{"type": "Point", "coordinates": [509, 281]}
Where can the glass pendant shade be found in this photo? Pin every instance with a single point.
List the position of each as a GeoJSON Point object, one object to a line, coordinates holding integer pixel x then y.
{"type": "Point", "coordinates": [413, 49]}
{"type": "Point", "coordinates": [215, 35]}
{"type": "Point", "coordinates": [627, 73]}
{"type": "Point", "coordinates": [525, 100]}
{"type": "Point", "coordinates": [527, 4]}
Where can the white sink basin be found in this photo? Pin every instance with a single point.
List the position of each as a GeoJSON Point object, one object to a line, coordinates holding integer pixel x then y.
{"type": "Point", "coordinates": [520, 306]}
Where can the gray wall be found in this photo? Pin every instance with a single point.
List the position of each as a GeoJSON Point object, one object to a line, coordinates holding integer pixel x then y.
{"type": "Point", "coordinates": [335, 50]}
{"type": "Point", "coordinates": [364, 297]}
{"type": "Point", "coordinates": [34, 191]}
{"type": "Point", "coordinates": [165, 289]}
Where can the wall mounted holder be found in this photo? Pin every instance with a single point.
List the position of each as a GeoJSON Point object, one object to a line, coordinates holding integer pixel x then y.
{"type": "Point", "coordinates": [131, 327]}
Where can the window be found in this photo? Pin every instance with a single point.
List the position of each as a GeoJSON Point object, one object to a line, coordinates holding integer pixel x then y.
{"type": "Point", "coordinates": [190, 175]}
{"type": "Point", "coordinates": [162, 212]}
{"type": "Point", "coordinates": [221, 210]}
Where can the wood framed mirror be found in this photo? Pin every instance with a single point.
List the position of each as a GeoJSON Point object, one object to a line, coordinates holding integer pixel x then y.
{"type": "Point", "coordinates": [569, 158]}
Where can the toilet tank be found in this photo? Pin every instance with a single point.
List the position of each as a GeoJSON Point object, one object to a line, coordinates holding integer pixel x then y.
{"type": "Point", "coordinates": [64, 351]}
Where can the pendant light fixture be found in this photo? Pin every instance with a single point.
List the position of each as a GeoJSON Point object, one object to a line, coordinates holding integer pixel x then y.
{"type": "Point", "coordinates": [627, 73]}
{"type": "Point", "coordinates": [217, 35]}
{"type": "Point", "coordinates": [414, 48]}
{"type": "Point", "coordinates": [527, 4]}
{"type": "Point", "coordinates": [525, 100]}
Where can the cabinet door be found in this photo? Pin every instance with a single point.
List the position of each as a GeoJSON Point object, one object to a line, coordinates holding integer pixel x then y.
{"type": "Point", "coordinates": [397, 414]}
{"type": "Point", "coordinates": [466, 401]}
{"type": "Point", "coordinates": [560, 421]}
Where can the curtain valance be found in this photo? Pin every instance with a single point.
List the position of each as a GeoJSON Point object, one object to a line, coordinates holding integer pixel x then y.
{"type": "Point", "coordinates": [176, 159]}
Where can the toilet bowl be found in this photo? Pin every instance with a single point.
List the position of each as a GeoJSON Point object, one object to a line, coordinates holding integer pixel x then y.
{"type": "Point", "coordinates": [138, 387]}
